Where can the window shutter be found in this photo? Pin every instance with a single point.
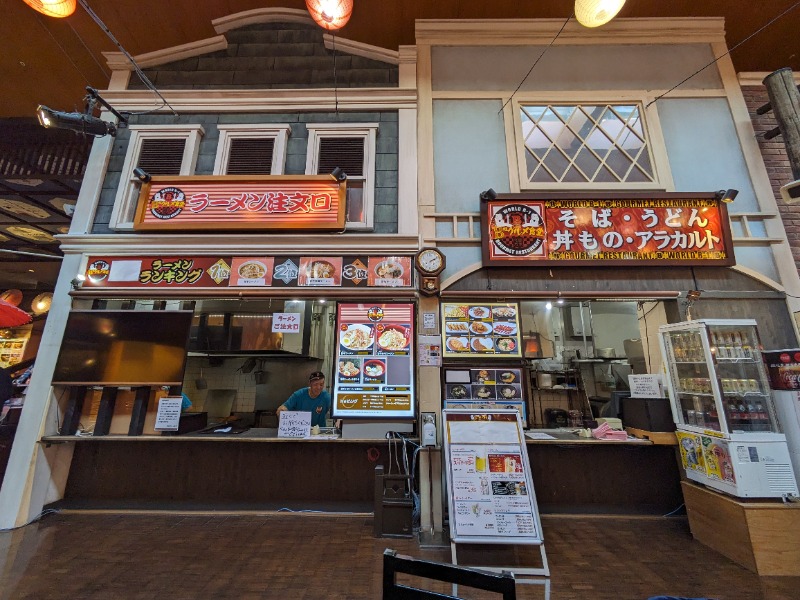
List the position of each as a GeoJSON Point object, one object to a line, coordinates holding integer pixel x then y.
{"type": "Point", "coordinates": [250, 156]}
{"type": "Point", "coordinates": [161, 156]}
{"type": "Point", "coordinates": [345, 153]}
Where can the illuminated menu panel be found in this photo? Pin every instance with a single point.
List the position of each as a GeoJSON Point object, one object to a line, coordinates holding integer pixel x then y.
{"type": "Point", "coordinates": [486, 388]}
{"type": "Point", "coordinates": [485, 330]}
{"type": "Point", "coordinates": [374, 374]}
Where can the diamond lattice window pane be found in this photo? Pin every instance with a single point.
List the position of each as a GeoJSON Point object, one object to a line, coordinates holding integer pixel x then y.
{"type": "Point", "coordinates": [585, 143]}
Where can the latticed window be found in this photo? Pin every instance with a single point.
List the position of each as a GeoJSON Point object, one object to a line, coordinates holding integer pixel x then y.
{"type": "Point", "coordinates": [584, 143]}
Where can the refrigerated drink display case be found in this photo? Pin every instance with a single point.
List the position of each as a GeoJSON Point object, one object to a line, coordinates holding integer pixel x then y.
{"type": "Point", "coordinates": [783, 367]}
{"type": "Point", "coordinates": [729, 438]}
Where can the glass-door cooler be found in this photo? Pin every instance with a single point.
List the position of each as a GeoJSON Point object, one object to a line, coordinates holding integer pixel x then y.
{"type": "Point", "coordinates": [728, 435]}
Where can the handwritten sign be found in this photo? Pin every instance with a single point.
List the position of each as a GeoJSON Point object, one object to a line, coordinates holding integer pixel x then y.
{"type": "Point", "coordinates": [169, 413]}
{"type": "Point", "coordinates": [286, 323]}
{"type": "Point", "coordinates": [294, 424]}
{"type": "Point", "coordinates": [645, 386]}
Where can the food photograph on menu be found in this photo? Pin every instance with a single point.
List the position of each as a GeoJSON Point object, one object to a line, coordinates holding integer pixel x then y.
{"type": "Point", "coordinates": [487, 329]}
{"type": "Point", "coordinates": [375, 361]}
{"type": "Point", "coordinates": [486, 388]}
{"type": "Point", "coordinates": [389, 271]}
{"type": "Point", "coordinates": [320, 271]}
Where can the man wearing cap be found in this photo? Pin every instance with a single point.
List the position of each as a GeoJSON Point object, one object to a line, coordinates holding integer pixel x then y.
{"type": "Point", "coordinates": [313, 399]}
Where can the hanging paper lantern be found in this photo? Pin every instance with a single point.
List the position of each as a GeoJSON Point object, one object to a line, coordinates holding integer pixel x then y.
{"type": "Point", "coordinates": [330, 14]}
{"type": "Point", "coordinates": [12, 296]}
{"type": "Point", "coordinates": [593, 13]}
{"type": "Point", "coordinates": [53, 8]}
{"type": "Point", "coordinates": [41, 304]}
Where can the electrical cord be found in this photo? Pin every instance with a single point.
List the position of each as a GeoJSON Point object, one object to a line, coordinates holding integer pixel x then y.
{"type": "Point", "coordinates": [669, 514]}
{"type": "Point", "coordinates": [47, 511]}
{"type": "Point", "coordinates": [748, 38]}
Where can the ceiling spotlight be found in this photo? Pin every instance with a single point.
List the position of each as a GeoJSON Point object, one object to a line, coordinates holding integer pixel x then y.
{"type": "Point", "coordinates": [85, 122]}
{"type": "Point", "coordinates": [549, 305]}
{"type": "Point", "coordinates": [82, 123]}
{"type": "Point", "coordinates": [142, 175]}
{"type": "Point", "coordinates": [727, 196]}
{"type": "Point", "coordinates": [560, 301]}
{"type": "Point", "coordinates": [489, 194]}
{"type": "Point", "coordinates": [339, 174]}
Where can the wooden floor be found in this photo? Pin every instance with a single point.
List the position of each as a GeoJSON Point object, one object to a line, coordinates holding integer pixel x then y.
{"type": "Point", "coordinates": [310, 556]}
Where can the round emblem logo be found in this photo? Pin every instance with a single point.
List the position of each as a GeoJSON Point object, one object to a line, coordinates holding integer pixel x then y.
{"type": "Point", "coordinates": [98, 271]}
{"type": "Point", "coordinates": [167, 203]}
{"type": "Point", "coordinates": [517, 229]}
{"type": "Point", "coordinates": [375, 314]}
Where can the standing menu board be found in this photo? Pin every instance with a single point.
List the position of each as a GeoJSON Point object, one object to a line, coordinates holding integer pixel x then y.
{"type": "Point", "coordinates": [491, 495]}
{"type": "Point", "coordinates": [486, 388]}
{"type": "Point", "coordinates": [485, 330]}
{"type": "Point", "coordinates": [374, 361]}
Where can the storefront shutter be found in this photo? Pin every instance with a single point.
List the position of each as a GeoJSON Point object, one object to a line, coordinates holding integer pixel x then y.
{"type": "Point", "coordinates": [250, 156]}
{"type": "Point", "coordinates": [161, 156]}
{"type": "Point", "coordinates": [345, 153]}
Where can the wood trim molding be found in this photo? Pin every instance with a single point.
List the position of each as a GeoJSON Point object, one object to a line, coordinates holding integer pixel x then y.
{"type": "Point", "coordinates": [261, 15]}
{"type": "Point", "coordinates": [237, 244]}
{"type": "Point", "coordinates": [756, 78]}
{"type": "Point", "coordinates": [117, 61]}
{"type": "Point", "coordinates": [527, 32]}
{"type": "Point", "coordinates": [260, 101]}
{"type": "Point", "coordinates": [384, 55]}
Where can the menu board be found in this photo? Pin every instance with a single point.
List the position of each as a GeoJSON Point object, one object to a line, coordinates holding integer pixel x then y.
{"type": "Point", "coordinates": [11, 351]}
{"type": "Point", "coordinates": [486, 329]}
{"type": "Point", "coordinates": [491, 496]}
{"type": "Point", "coordinates": [486, 388]}
{"type": "Point", "coordinates": [374, 374]}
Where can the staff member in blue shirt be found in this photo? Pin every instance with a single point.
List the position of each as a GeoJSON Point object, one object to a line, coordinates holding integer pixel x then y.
{"type": "Point", "coordinates": [313, 399]}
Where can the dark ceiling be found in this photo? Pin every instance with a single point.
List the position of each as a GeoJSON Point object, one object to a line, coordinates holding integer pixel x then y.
{"type": "Point", "coordinates": [50, 61]}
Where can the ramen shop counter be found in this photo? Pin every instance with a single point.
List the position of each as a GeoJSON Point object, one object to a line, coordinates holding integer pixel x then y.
{"type": "Point", "coordinates": [251, 470]}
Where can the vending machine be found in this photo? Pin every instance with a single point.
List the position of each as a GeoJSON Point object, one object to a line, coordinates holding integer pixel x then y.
{"type": "Point", "coordinates": [727, 430]}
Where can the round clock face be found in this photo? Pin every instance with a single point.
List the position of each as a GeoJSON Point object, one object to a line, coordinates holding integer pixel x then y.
{"type": "Point", "coordinates": [430, 261]}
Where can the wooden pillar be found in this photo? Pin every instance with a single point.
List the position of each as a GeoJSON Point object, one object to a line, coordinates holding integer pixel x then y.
{"type": "Point", "coordinates": [106, 412]}
{"type": "Point", "coordinates": [139, 410]}
{"type": "Point", "coordinates": [785, 100]}
{"type": "Point", "coordinates": [72, 415]}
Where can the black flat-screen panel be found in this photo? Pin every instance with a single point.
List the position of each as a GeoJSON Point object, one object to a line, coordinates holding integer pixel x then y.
{"type": "Point", "coordinates": [124, 348]}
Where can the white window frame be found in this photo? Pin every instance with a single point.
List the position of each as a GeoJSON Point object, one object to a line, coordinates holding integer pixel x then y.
{"type": "Point", "coordinates": [651, 126]}
{"type": "Point", "coordinates": [366, 131]}
{"type": "Point", "coordinates": [128, 190]}
{"type": "Point", "coordinates": [280, 133]}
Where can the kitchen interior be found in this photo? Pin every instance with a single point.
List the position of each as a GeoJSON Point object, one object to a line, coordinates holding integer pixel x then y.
{"type": "Point", "coordinates": [237, 369]}
{"type": "Point", "coordinates": [580, 353]}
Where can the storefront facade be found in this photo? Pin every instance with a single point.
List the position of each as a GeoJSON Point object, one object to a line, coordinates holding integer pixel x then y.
{"type": "Point", "coordinates": [597, 117]}
{"type": "Point", "coordinates": [258, 105]}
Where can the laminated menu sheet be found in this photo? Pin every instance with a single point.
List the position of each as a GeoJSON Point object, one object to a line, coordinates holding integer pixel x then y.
{"type": "Point", "coordinates": [491, 496]}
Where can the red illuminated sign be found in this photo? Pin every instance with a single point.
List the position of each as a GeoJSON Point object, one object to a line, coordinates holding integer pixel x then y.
{"type": "Point", "coordinates": [623, 229]}
{"type": "Point", "coordinates": [276, 202]}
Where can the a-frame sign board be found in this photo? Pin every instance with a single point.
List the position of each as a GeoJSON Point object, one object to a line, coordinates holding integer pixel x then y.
{"type": "Point", "coordinates": [490, 488]}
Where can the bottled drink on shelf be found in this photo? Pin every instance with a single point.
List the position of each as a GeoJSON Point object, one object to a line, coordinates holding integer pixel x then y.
{"type": "Point", "coordinates": [721, 344]}
{"type": "Point", "coordinates": [747, 348]}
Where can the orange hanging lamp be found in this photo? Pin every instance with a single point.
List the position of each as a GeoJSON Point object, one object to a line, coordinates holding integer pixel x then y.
{"type": "Point", "coordinates": [329, 14]}
{"type": "Point", "coordinates": [53, 8]}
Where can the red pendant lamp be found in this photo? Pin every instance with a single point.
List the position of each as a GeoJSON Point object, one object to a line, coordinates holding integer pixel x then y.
{"type": "Point", "coordinates": [53, 8]}
{"type": "Point", "coordinates": [329, 14]}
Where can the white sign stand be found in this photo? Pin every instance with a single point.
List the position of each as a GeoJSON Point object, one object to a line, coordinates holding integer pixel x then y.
{"type": "Point", "coordinates": [294, 424]}
{"type": "Point", "coordinates": [490, 487]}
{"type": "Point", "coordinates": [168, 417]}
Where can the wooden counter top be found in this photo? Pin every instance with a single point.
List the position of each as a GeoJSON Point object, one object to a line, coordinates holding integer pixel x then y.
{"type": "Point", "coordinates": [568, 436]}
{"type": "Point", "coordinates": [254, 434]}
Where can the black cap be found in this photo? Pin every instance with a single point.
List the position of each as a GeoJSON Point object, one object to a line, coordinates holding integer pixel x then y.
{"type": "Point", "coordinates": [316, 375]}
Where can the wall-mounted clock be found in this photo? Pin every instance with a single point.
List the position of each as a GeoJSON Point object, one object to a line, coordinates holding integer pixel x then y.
{"type": "Point", "coordinates": [429, 261]}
